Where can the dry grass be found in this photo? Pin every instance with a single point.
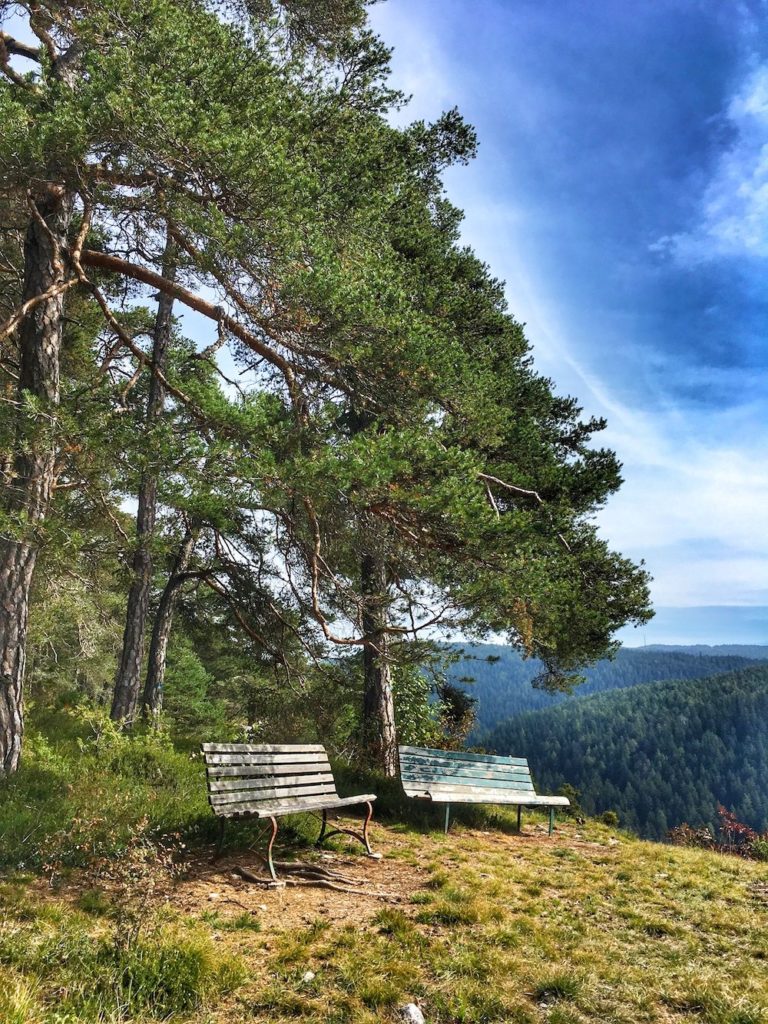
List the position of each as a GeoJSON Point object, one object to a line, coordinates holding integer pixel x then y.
{"type": "Point", "coordinates": [589, 925]}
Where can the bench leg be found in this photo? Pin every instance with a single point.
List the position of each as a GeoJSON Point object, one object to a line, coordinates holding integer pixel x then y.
{"type": "Point", "coordinates": [447, 817]}
{"type": "Point", "coordinates": [270, 862]}
{"type": "Point", "coordinates": [519, 817]}
{"type": "Point", "coordinates": [551, 820]}
{"type": "Point", "coordinates": [323, 829]}
{"type": "Point", "coordinates": [220, 839]}
{"type": "Point", "coordinates": [361, 837]}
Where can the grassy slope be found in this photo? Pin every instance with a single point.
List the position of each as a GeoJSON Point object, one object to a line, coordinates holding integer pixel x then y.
{"type": "Point", "coordinates": [590, 925]}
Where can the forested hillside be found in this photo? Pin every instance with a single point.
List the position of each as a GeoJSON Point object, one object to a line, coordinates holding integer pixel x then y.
{"type": "Point", "coordinates": [502, 678]}
{"type": "Point", "coordinates": [658, 754]}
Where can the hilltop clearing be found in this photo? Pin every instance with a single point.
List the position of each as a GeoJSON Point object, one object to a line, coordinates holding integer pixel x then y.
{"type": "Point", "coordinates": [482, 925]}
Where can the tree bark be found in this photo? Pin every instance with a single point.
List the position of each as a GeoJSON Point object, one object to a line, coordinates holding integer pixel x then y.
{"type": "Point", "coordinates": [33, 463]}
{"type": "Point", "coordinates": [378, 725]}
{"type": "Point", "coordinates": [128, 680]}
{"type": "Point", "coordinates": [152, 701]}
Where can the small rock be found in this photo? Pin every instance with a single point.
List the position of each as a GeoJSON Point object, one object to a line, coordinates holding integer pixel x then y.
{"type": "Point", "coordinates": [308, 976]}
{"type": "Point", "coordinates": [411, 1013]}
{"type": "Point", "coordinates": [261, 906]}
{"type": "Point", "coordinates": [214, 895]}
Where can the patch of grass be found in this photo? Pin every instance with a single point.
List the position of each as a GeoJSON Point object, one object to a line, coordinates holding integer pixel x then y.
{"type": "Point", "coordinates": [94, 902]}
{"type": "Point", "coordinates": [444, 912]}
{"type": "Point", "coordinates": [94, 980]}
{"type": "Point", "coordinates": [561, 985]}
{"type": "Point", "coordinates": [19, 1000]}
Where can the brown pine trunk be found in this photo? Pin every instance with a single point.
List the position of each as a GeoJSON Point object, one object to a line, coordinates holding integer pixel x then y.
{"type": "Point", "coordinates": [33, 464]}
{"type": "Point", "coordinates": [378, 726]}
{"type": "Point", "coordinates": [152, 702]}
{"type": "Point", "coordinates": [128, 680]}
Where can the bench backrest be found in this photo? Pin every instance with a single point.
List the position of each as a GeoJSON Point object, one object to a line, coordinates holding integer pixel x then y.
{"type": "Point", "coordinates": [244, 777]}
{"type": "Point", "coordinates": [445, 771]}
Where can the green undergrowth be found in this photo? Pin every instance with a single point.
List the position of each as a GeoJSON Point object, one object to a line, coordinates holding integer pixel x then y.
{"type": "Point", "coordinates": [84, 788]}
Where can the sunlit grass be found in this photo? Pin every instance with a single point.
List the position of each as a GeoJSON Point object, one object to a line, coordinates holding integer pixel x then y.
{"type": "Point", "coordinates": [589, 925]}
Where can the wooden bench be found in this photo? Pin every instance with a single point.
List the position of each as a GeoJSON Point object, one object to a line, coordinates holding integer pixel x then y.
{"type": "Point", "coordinates": [266, 780]}
{"type": "Point", "coordinates": [456, 776]}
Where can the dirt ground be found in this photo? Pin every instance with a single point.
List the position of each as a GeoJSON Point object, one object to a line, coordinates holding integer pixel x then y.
{"type": "Point", "coordinates": [377, 882]}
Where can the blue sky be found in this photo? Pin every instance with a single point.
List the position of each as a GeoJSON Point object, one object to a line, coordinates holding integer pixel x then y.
{"type": "Point", "coordinates": [621, 191]}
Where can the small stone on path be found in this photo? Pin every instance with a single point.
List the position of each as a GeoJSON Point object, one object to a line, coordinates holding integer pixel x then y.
{"type": "Point", "coordinates": [411, 1013]}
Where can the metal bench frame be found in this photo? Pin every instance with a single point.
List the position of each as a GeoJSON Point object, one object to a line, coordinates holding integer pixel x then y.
{"type": "Point", "coordinates": [267, 780]}
{"type": "Point", "coordinates": [457, 776]}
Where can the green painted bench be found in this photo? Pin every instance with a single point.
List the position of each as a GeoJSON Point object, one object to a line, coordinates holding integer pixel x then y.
{"type": "Point", "coordinates": [459, 777]}
{"type": "Point", "coordinates": [267, 780]}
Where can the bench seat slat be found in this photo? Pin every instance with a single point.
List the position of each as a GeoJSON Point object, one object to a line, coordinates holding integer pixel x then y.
{"type": "Point", "coordinates": [260, 781]}
{"type": "Point", "coordinates": [276, 808]}
{"type": "Point", "coordinates": [467, 795]}
{"type": "Point", "coordinates": [440, 785]}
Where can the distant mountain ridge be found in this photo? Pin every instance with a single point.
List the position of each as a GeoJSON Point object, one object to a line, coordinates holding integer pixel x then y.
{"type": "Point", "coordinates": [756, 652]}
{"type": "Point", "coordinates": [659, 753]}
{"type": "Point", "coordinates": [502, 678]}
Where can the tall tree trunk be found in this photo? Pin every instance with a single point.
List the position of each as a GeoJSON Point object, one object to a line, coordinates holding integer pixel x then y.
{"type": "Point", "coordinates": [33, 465]}
{"type": "Point", "coordinates": [152, 701]}
{"type": "Point", "coordinates": [378, 726]}
{"type": "Point", "coordinates": [128, 679]}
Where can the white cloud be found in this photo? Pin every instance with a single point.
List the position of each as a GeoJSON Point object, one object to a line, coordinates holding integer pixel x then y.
{"type": "Point", "coordinates": [418, 68]}
{"type": "Point", "coordinates": [734, 208]}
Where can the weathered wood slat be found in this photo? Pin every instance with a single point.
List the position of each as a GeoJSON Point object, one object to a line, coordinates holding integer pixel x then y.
{"type": "Point", "coordinates": [266, 759]}
{"type": "Point", "coordinates": [463, 763]}
{"type": "Point", "coordinates": [321, 789]}
{"type": "Point", "coordinates": [264, 748]}
{"type": "Point", "coordinates": [464, 755]}
{"type": "Point", "coordinates": [466, 795]}
{"type": "Point", "coordinates": [459, 772]}
{"type": "Point", "coordinates": [484, 766]}
{"type": "Point", "coordinates": [254, 784]}
{"type": "Point", "coordinates": [469, 784]}
{"type": "Point", "coordinates": [276, 808]}
{"type": "Point", "coordinates": [250, 771]}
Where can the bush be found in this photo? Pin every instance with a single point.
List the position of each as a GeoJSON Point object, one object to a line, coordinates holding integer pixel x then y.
{"type": "Point", "coordinates": [82, 796]}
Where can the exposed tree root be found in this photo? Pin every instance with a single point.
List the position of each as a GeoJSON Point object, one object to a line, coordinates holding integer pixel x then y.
{"type": "Point", "coordinates": [312, 875]}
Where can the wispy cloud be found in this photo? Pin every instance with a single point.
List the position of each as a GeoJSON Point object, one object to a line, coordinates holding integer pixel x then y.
{"type": "Point", "coordinates": [734, 206]}
{"type": "Point", "coordinates": [566, 225]}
